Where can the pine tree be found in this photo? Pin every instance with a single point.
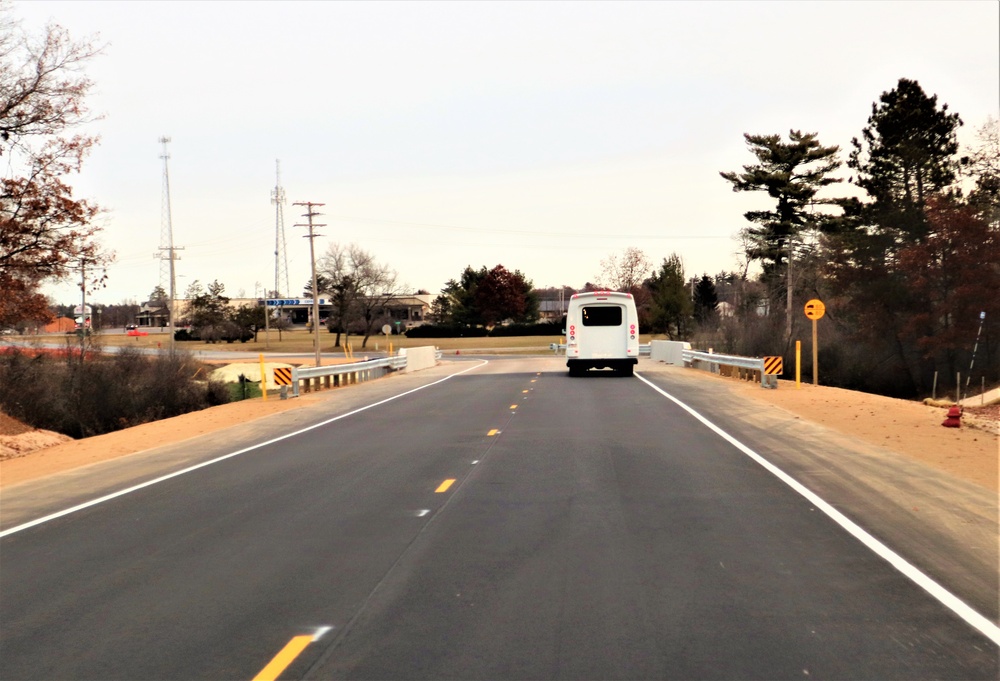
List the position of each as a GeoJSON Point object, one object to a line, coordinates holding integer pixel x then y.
{"type": "Point", "coordinates": [792, 173]}
{"type": "Point", "coordinates": [670, 302]}
{"type": "Point", "coordinates": [706, 300]}
{"type": "Point", "coordinates": [907, 153]}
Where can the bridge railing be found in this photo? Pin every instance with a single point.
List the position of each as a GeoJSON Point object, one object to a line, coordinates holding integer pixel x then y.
{"type": "Point", "coordinates": [712, 362]}
{"type": "Point", "coordinates": [308, 379]}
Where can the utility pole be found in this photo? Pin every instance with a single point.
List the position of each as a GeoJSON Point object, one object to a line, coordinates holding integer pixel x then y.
{"type": "Point", "coordinates": [310, 214]}
{"type": "Point", "coordinates": [788, 303]}
{"type": "Point", "coordinates": [168, 252]}
{"type": "Point", "coordinates": [83, 307]}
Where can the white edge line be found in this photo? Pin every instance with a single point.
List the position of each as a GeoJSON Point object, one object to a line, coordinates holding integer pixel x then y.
{"type": "Point", "coordinates": [321, 632]}
{"type": "Point", "coordinates": [203, 464]}
{"type": "Point", "coordinates": [914, 574]}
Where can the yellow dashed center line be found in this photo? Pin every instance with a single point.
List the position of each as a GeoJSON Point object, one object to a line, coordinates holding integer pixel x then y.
{"type": "Point", "coordinates": [492, 432]}
{"type": "Point", "coordinates": [513, 406]}
{"type": "Point", "coordinates": [284, 658]}
{"type": "Point", "coordinates": [443, 487]}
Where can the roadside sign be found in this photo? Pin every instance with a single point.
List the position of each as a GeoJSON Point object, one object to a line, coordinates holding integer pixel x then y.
{"type": "Point", "coordinates": [282, 375]}
{"type": "Point", "coordinates": [774, 366]}
{"type": "Point", "coordinates": [815, 309]}
{"type": "Point", "coordinates": [386, 329]}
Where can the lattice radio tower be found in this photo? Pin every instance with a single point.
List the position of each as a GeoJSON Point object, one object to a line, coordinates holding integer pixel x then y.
{"type": "Point", "coordinates": [167, 252]}
{"type": "Point", "coordinates": [281, 287]}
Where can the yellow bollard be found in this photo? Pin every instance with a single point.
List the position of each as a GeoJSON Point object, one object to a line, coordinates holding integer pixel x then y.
{"type": "Point", "coordinates": [263, 378]}
{"type": "Point", "coordinates": [798, 365]}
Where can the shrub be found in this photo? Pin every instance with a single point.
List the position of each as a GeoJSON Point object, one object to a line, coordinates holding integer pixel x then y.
{"type": "Point", "coordinates": [104, 394]}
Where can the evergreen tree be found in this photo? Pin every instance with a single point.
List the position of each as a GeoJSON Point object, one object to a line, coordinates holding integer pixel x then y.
{"type": "Point", "coordinates": [209, 314]}
{"type": "Point", "coordinates": [907, 157]}
{"type": "Point", "coordinates": [158, 295]}
{"type": "Point", "coordinates": [907, 153]}
{"type": "Point", "coordinates": [792, 173]}
{"type": "Point", "coordinates": [706, 300]}
{"type": "Point", "coordinates": [457, 302]}
{"type": "Point", "coordinates": [670, 302]}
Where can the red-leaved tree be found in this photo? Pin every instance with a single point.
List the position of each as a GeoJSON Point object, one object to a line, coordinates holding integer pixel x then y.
{"type": "Point", "coordinates": [45, 233]}
{"type": "Point", "coordinates": [955, 275]}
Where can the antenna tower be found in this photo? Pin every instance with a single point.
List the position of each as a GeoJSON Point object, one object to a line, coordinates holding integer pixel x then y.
{"type": "Point", "coordinates": [281, 287]}
{"type": "Point", "coordinates": [167, 252]}
{"type": "Point", "coordinates": [166, 225]}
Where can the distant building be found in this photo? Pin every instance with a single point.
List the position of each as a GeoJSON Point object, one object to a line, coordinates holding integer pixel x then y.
{"type": "Point", "coordinates": [402, 312]}
{"type": "Point", "coordinates": [154, 313]}
{"type": "Point", "coordinates": [552, 310]}
{"type": "Point", "coordinates": [409, 311]}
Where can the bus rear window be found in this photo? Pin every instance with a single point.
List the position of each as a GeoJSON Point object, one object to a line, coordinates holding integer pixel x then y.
{"type": "Point", "coordinates": [602, 315]}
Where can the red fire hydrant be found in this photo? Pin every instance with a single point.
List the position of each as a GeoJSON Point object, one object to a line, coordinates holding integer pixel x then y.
{"type": "Point", "coordinates": [954, 419]}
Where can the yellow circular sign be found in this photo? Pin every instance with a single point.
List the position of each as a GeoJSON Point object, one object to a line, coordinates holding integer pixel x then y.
{"type": "Point", "coordinates": [815, 309]}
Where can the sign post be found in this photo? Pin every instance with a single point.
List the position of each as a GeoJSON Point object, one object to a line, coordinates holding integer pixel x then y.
{"type": "Point", "coordinates": [815, 309]}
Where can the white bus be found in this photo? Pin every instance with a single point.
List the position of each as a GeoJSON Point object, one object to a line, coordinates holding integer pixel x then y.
{"type": "Point", "coordinates": [602, 331]}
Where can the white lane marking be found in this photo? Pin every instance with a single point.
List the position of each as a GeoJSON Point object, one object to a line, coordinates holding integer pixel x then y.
{"type": "Point", "coordinates": [911, 572]}
{"type": "Point", "coordinates": [321, 632]}
{"type": "Point", "coordinates": [422, 512]}
{"type": "Point", "coordinates": [163, 478]}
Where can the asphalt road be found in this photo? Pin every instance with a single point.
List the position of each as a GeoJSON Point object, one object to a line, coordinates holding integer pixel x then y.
{"type": "Point", "coordinates": [592, 528]}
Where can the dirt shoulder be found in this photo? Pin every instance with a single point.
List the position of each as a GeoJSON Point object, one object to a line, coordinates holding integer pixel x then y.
{"type": "Point", "coordinates": [912, 429]}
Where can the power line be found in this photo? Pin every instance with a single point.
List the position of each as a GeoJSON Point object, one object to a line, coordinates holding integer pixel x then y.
{"type": "Point", "coordinates": [525, 232]}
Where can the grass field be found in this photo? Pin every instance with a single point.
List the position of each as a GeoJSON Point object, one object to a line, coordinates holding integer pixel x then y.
{"type": "Point", "coordinates": [301, 341]}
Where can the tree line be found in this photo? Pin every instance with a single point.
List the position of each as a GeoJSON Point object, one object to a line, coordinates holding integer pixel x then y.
{"type": "Point", "coordinates": [910, 271]}
{"type": "Point", "coordinates": [908, 262]}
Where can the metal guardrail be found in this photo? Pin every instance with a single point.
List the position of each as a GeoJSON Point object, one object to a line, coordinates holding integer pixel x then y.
{"type": "Point", "coordinates": [710, 359]}
{"type": "Point", "coordinates": [711, 362]}
{"type": "Point", "coordinates": [336, 375]}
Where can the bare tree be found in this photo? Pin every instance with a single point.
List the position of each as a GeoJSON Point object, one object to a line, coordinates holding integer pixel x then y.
{"type": "Point", "coordinates": [378, 285]}
{"type": "Point", "coordinates": [359, 285]}
{"type": "Point", "coordinates": [625, 272]}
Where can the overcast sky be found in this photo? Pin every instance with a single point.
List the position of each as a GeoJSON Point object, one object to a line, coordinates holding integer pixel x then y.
{"type": "Point", "coordinates": [540, 136]}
